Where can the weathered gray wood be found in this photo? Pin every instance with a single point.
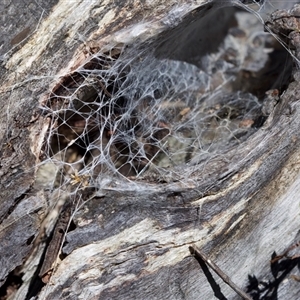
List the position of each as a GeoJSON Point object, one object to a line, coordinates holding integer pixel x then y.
{"type": "Point", "coordinates": [21, 210]}
{"type": "Point", "coordinates": [238, 209]}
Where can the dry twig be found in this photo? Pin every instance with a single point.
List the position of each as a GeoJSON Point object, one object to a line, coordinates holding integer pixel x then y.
{"type": "Point", "coordinates": [201, 256]}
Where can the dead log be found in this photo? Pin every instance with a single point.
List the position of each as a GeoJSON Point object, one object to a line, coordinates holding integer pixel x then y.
{"type": "Point", "coordinates": [239, 208]}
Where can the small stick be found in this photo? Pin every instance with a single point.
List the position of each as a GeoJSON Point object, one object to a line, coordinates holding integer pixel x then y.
{"type": "Point", "coordinates": [200, 255]}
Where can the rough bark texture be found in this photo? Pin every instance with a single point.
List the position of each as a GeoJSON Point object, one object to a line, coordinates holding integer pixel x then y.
{"type": "Point", "coordinates": [241, 208]}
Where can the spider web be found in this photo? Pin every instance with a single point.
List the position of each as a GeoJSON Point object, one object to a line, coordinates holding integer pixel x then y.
{"type": "Point", "coordinates": [127, 112]}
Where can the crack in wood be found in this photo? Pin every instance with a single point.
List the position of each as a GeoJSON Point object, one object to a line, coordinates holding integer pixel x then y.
{"type": "Point", "coordinates": [54, 247]}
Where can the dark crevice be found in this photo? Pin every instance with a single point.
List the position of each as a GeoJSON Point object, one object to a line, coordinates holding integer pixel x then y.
{"type": "Point", "coordinates": [30, 240]}
{"type": "Point", "coordinates": [14, 205]}
{"type": "Point", "coordinates": [12, 284]}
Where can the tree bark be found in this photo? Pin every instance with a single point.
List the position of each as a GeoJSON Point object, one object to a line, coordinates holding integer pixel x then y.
{"type": "Point", "coordinates": [241, 209]}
